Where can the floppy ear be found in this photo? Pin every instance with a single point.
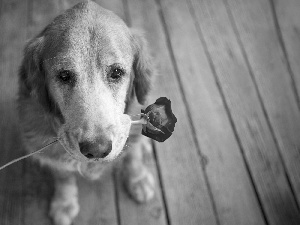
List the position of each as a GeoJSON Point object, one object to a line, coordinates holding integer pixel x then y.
{"type": "Point", "coordinates": [32, 76]}
{"type": "Point", "coordinates": [142, 67]}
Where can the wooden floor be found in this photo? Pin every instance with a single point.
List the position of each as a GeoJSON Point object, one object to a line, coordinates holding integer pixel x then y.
{"type": "Point", "coordinates": [232, 71]}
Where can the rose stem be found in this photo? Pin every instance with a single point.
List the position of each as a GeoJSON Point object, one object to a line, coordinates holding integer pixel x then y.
{"type": "Point", "coordinates": [143, 120]}
{"type": "Point", "coordinates": [26, 156]}
{"type": "Point", "coordinates": [140, 121]}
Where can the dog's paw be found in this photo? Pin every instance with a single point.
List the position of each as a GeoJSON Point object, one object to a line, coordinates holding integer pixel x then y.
{"type": "Point", "coordinates": [63, 211]}
{"type": "Point", "coordinates": [141, 186]}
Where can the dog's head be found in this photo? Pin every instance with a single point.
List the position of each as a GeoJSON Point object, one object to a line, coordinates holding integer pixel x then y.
{"type": "Point", "coordinates": [84, 68]}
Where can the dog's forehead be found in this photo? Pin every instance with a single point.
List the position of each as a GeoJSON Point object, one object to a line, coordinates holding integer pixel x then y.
{"type": "Point", "coordinates": [89, 28]}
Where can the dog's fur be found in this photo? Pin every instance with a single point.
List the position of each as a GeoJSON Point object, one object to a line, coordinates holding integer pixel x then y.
{"type": "Point", "coordinates": [70, 88]}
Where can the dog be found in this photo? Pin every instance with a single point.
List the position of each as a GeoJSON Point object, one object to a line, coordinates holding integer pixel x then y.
{"type": "Point", "coordinates": [78, 80]}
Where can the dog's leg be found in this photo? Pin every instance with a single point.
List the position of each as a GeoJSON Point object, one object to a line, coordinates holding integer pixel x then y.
{"type": "Point", "coordinates": [138, 180]}
{"type": "Point", "coordinates": [64, 206]}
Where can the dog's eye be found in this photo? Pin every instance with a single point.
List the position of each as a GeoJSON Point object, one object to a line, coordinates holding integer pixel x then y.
{"type": "Point", "coordinates": [65, 76]}
{"type": "Point", "coordinates": [116, 73]}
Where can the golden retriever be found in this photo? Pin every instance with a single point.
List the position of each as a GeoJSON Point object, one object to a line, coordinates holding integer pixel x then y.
{"type": "Point", "coordinates": [78, 79]}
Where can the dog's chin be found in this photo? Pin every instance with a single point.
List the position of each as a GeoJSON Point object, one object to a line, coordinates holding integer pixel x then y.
{"type": "Point", "coordinates": [71, 145]}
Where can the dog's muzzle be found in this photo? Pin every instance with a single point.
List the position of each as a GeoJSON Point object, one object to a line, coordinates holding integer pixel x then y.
{"type": "Point", "coordinates": [99, 149]}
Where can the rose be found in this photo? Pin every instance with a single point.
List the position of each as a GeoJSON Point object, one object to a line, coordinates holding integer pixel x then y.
{"type": "Point", "coordinates": [160, 120]}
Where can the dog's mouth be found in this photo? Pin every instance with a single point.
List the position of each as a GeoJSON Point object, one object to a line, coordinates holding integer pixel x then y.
{"type": "Point", "coordinates": [74, 148]}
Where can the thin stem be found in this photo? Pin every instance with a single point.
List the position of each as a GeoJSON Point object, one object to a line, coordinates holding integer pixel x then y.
{"type": "Point", "coordinates": [26, 156]}
{"type": "Point", "coordinates": [141, 121]}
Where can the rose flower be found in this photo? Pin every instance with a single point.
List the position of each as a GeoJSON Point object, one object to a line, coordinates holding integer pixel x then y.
{"type": "Point", "coordinates": [160, 120]}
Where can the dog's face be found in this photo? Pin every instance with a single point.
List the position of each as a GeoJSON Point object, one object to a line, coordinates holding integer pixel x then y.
{"type": "Point", "coordinates": [84, 68]}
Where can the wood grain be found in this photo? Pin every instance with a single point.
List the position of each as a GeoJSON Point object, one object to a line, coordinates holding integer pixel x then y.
{"type": "Point", "coordinates": [255, 27]}
{"type": "Point", "coordinates": [226, 168]}
{"type": "Point", "coordinates": [288, 18]}
{"type": "Point", "coordinates": [151, 213]}
{"type": "Point", "coordinates": [187, 195]}
{"type": "Point", "coordinates": [97, 201]}
{"type": "Point", "coordinates": [234, 78]}
{"type": "Point", "coordinates": [288, 21]}
{"type": "Point", "coordinates": [13, 31]}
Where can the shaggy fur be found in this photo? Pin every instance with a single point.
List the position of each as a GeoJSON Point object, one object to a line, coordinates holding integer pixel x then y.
{"type": "Point", "coordinates": [78, 79]}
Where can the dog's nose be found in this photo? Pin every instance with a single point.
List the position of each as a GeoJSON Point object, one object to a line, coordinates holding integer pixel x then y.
{"type": "Point", "coordinates": [93, 150]}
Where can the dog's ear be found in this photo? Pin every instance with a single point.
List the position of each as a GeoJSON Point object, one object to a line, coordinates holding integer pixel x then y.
{"type": "Point", "coordinates": [142, 67]}
{"type": "Point", "coordinates": [32, 76]}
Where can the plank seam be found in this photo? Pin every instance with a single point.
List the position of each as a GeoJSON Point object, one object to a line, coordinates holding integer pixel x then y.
{"type": "Point", "coordinates": [293, 83]}
{"type": "Point", "coordinates": [286, 56]}
{"type": "Point", "coordinates": [160, 181]}
{"type": "Point", "coordinates": [228, 112]}
{"type": "Point", "coordinates": [116, 194]}
{"type": "Point", "coordinates": [268, 120]}
{"type": "Point", "coordinates": [202, 157]}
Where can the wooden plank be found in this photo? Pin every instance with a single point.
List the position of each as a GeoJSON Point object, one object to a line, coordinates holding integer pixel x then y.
{"type": "Point", "coordinates": [255, 26]}
{"type": "Point", "coordinates": [185, 180]}
{"type": "Point", "coordinates": [150, 213]}
{"type": "Point", "coordinates": [287, 12]}
{"type": "Point", "coordinates": [210, 119]}
{"type": "Point", "coordinates": [246, 111]}
{"type": "Point", "coordinates": [288, 21]}
{"type": "Point", "coordinates": [11, 40]}
{"type": "Point", "coordinates": [38, 190]}
{"type": "Point", "coordinates": [97, 202]}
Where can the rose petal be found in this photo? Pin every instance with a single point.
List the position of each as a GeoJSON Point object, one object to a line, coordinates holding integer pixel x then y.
{"type": "Point", "coordinates": [161, 120]}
